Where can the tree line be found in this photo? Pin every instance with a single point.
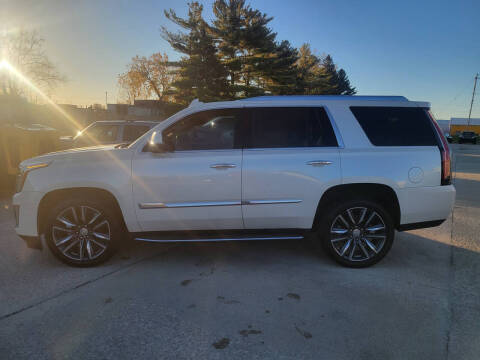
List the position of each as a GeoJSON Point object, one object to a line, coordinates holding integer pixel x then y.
{"type": "Point", "coordinates": [235, 56]}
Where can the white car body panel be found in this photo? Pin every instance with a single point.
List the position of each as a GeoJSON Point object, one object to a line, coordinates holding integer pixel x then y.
{"type": "Point", "coordinates": [101, 167]}
{"type": "Point", "coordinates": [280, 189]}
{"type": "Point", "coordinates": [181, 191]}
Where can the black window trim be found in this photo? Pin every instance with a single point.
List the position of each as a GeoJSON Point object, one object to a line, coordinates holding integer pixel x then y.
{"type": "Point", "coordinates": [333, 124]}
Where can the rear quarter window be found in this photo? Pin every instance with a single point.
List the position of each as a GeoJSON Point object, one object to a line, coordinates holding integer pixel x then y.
{"type": "Point", "coordinates": [395, 126]}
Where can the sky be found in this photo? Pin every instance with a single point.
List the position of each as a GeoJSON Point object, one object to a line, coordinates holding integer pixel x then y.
{"type": "Point", "coordinates": [426, 50]}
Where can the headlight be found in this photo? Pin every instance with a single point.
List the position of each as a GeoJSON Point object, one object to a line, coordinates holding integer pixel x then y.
{"type": "Point", "coordinates": [23, 172]}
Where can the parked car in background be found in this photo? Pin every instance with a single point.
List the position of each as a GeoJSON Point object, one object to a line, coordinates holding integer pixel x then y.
{"type": "Point", "coordinates": [467, 137]}
{"type": "Point", "coordinates": [449, 137]}
{"type": "Point", "coordinates": [108, 132]}
{"type": "Point", "coordinates": [345, 171]}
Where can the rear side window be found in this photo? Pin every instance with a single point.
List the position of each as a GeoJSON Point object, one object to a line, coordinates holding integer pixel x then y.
{"type": "Point", "coordinates": [285, 127]}
{"type": "Point", "coordinates": [395, 126]}
{"type": "Point", "coordinates": [133, 132]}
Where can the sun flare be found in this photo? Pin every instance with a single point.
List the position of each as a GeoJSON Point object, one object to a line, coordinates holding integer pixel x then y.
{"type": "Point", "coordinates": [6, 66]}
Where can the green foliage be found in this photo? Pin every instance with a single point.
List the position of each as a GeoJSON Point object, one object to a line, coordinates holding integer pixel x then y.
{"type": "Point", "coordinates": [237, 56]}
{"type": "Point", "coordinates": [200, 73]}
{"type": "Point", "coordinates": [319, 76]}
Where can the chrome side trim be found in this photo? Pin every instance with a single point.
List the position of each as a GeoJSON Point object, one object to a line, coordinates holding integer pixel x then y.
{"type": "Point", "coordinates": [160, 205]}
{"type": "Point", "coordinates": [262, 202]}
{"type": "Point", "coordinates": [293, 237]}
{"type": "Point", "coordinates": [319, 162]}
{"type": "Point", "coordinates": [222, 166]}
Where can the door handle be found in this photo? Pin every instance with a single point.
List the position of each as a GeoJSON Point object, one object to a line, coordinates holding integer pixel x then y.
{"type": "Point", "coordinates": [222, 166]}
{"type": "Point", "coordinates": [319, 162]}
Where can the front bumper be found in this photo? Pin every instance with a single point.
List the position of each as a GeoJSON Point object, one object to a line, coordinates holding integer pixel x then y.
{"type": "Point", "coordinates": [25, 205]}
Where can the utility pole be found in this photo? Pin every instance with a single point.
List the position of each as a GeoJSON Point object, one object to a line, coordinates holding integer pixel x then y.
{"type": "Point", "coordinates": [473, 97]}
{"type": "Point", "coordinates": [106, 94]}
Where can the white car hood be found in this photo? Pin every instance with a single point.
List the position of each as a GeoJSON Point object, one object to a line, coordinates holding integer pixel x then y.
{"type": "Point", "coordinates": [60, 155]}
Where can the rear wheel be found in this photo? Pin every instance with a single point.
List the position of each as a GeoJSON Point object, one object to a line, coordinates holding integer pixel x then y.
{"type": "Point", "coordinates": [357, 233]}
{"type": "Point", "coordinates": [82, 232]}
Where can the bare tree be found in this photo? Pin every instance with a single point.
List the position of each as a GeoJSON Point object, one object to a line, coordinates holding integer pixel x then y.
{"type": "Point", "coordinates": [147, 77]}
{"type": "Point", "coordinates": [24, 51]}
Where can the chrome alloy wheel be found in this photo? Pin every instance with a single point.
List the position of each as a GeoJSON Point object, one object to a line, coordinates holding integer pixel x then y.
{"type": "Point", "coordinates": [81, 233]}
{"type": "Point", "coordinates": [358, 234]}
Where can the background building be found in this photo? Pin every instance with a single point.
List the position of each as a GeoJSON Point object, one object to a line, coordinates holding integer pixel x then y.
{"type": "Point", "coordinates": [461, 124]}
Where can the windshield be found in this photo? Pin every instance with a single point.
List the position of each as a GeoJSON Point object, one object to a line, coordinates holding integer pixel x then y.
{"type": "Point", "coordinates": [98, 133]}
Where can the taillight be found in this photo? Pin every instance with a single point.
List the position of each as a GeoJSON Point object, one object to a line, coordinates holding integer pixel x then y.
{"type": "Point", "coordinates": [444, 153]}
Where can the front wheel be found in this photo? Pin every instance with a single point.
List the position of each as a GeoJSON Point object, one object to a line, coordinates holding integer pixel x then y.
{"type": "Point", "coordinates": [82, 232]}
{"type": "Point", "coordinates": [357, 233]}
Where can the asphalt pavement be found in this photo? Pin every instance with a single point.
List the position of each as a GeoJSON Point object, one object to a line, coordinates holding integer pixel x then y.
{"type": "Point", "coordinates": [252, 300]}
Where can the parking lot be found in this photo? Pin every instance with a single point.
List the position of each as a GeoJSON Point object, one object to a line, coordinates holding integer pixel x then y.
{"type": "Point", "coordinates": [249, 300]}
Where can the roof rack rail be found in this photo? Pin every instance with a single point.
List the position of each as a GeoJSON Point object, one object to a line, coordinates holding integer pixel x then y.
{"type": "Point", "coordinates": [326, 97]}
{"type": "Point", "coordinates": [195, 102]}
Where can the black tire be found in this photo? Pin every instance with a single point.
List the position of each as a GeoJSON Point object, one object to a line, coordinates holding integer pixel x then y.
{"type": "Point", "coordinates": [364, 239]}
{"type": "Point", "coordinates": [91, 252]}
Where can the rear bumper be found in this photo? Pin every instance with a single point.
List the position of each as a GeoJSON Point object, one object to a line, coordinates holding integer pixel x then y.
{"type": "Point", "coordinates": [427, 204]}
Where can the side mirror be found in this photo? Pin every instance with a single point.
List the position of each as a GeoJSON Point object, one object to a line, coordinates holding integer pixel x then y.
{"type": "Point", "coordinates": [156, 145]}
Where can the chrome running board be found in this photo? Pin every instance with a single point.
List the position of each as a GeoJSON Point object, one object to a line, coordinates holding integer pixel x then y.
{"type": "Point", "coordinates": [233, 238]}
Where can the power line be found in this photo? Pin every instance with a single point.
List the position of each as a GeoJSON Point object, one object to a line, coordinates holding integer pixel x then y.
{"type": "Point", "coordinates": [459, 93]}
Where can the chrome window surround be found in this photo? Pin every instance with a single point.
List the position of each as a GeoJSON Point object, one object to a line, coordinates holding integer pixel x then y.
{"type": "Point", "coordinates": [336, 131]}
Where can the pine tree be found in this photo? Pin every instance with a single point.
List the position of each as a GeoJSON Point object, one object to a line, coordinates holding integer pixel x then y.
{"type": "Point", "coordinates": [200, 73]}
{"type": "Point", "coordinates": [319, 76]}
{"type": "Point", "coordinates": [238, 56]}
{"type": "Point", "coordinates": [245, 43]}
{"type": "Point", "coordinates": [329, 71]}
{"type": "Point", "coordinates": [344, 84]}
{"type": "Point", "coordinates": [310, 78]}
{"type": "Point", "coordinates": [279, 70]}
{"type": "Point", "coordinates": [337, 80]}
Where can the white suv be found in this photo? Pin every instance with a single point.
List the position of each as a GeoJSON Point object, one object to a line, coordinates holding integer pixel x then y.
{"type": "Point", "coordinates": [345, 170]}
